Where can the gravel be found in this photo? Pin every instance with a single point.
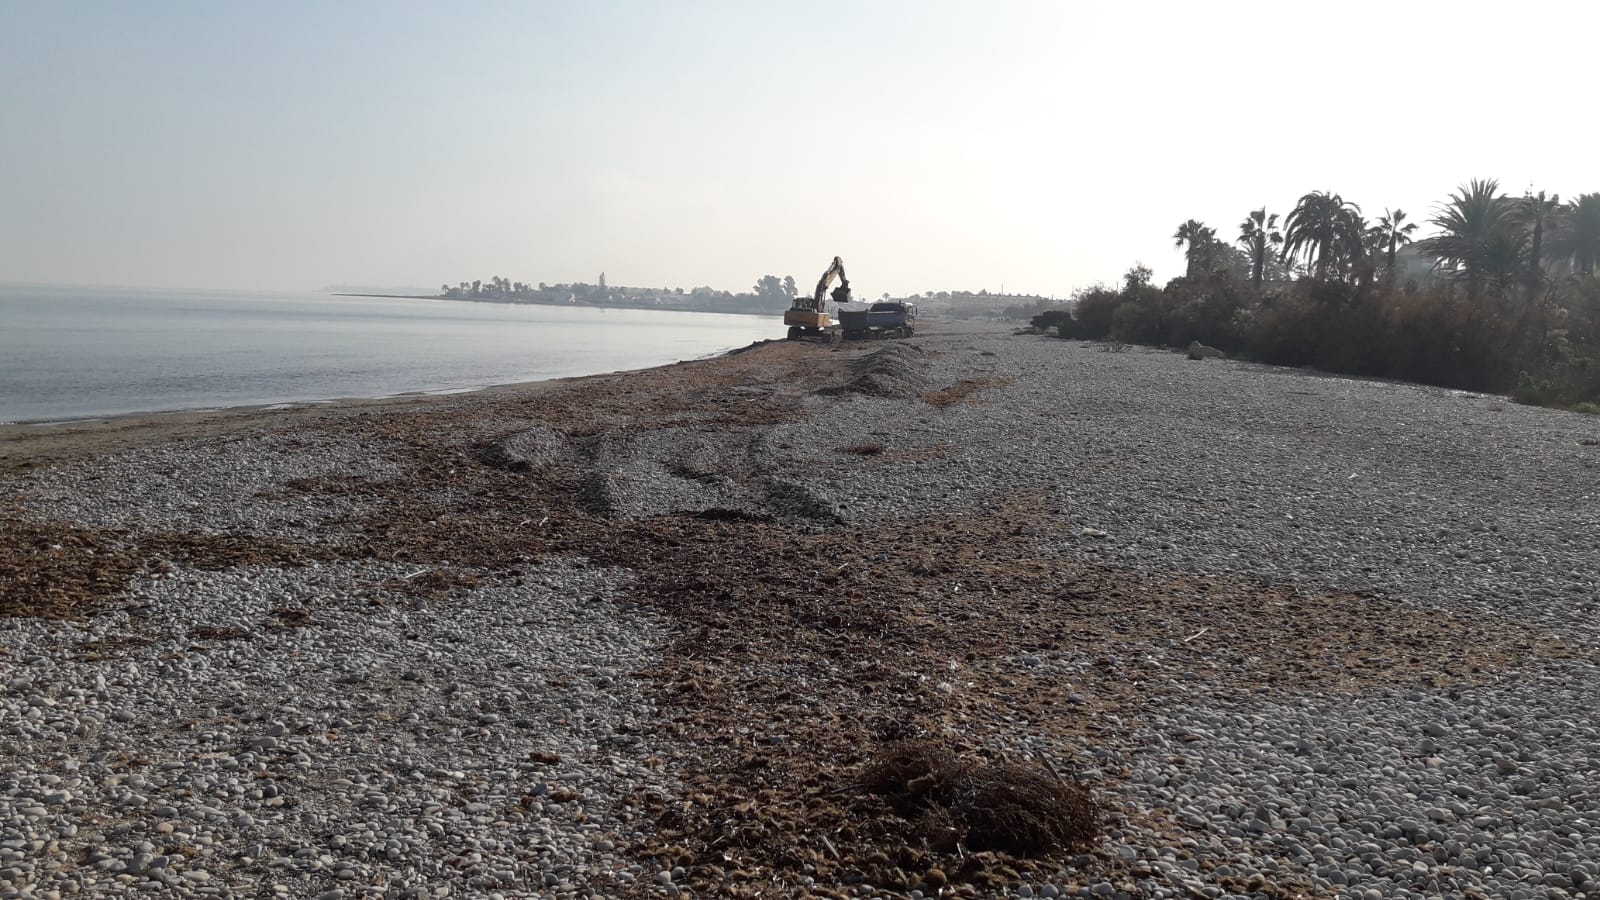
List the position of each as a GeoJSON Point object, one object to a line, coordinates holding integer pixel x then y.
{"type": "Point", "coordinates": [382, 746]}
{"type": "Point", "coordinates": [1436, 498]}
{"type": "Point", "coordinates": [1486, 791]}
{"type": "Point", "coordinates": [261, 484]}
{"type": "Point", "coordinates": [1171, 464]}
{"type": "Point", "coordinates": [320, 731]}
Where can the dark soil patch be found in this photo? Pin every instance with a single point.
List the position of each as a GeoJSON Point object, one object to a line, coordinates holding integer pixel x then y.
{"type": "Point", "coordinates": [334, 485]}
{"type": "Point", "coordinates": [61, 571]}
{"type": "Point", "coordinates": [962, 391]}
{"type": "Point", "coordinates": [218, 633]}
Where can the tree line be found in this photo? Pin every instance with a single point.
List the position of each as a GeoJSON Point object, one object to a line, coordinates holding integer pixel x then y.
{"type": "Point", "coordinates": [769, 294]}
{"type": "Point", "coordinates": [1502, 296]}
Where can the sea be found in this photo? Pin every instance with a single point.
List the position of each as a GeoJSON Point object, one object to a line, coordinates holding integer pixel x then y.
{"type": "Point", "coordinates": [73, 353]}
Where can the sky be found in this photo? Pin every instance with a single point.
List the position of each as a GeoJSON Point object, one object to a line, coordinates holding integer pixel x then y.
{"type": "Point", "coordinates": [1033, 147]}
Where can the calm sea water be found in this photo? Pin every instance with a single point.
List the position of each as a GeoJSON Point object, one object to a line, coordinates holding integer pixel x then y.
{"type": "Point", "coordinates": [70, 353]}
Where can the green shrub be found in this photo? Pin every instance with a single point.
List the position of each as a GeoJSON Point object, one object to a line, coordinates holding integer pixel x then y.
{"type": "Point", "coordinates": [1436, 337]}
{"type": "Point", "coordinates": [1059, 319]}
{"type": "Point", "coordinates": [1530, 390]}
{"type": "Point", "coordinates": [1092, 310]}
{"type": "Point", "coordinates": [1142, 316]}
{"type": "Point", "coordinates": [1206, 309]}
{"type": "Point", "coordinates": [1281, 330]}
{"type": "Point", "coordinates": [1574, 380]}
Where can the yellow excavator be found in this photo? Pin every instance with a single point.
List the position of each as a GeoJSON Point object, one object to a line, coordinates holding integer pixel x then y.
{"type": "Point", "coordinates": [808, 317]}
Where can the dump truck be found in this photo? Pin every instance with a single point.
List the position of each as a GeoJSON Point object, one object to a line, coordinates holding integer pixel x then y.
{"type": "Point", "coordinates": [891, 318]}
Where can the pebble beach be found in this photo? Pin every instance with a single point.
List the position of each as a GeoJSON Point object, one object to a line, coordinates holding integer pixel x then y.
{"type": "Point", "coordinates": [642, 634]}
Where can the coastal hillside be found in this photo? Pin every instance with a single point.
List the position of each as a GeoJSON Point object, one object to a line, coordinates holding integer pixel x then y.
{"type": "Point", "coordinates": [975, 613]}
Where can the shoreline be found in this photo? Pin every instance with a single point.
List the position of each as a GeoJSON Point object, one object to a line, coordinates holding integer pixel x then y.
{"type": "Point", "coordinates": [28, 444]}
{"type": "Point", "coordinates": [502, 302]}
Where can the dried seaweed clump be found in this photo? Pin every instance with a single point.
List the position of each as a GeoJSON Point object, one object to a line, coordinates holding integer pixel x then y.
{"type": "Point", "coordinates": [1006, 806]}
{"type": "Point", "coordinates": [60, 571]}
{"type": "Point", "coordinates": [433, 584]}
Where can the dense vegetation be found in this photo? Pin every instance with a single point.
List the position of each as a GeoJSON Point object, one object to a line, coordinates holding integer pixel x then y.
{"type": "Point", "coordinates": [1504, 296]}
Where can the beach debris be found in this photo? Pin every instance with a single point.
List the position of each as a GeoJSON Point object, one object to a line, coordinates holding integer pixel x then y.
{"type": "Point", "coordinates": [982, 805]}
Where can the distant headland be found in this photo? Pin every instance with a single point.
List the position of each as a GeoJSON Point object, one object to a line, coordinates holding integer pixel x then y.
{"type": "Point", "coordinates": [769, 296]}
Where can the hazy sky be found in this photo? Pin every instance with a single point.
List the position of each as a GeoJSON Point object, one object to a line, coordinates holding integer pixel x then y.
{"type": "Point", "coordinates": [1039, 146]}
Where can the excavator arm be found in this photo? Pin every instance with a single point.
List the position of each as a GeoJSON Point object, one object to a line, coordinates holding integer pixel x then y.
{"type": "Point", "coordinates": [841, 294]}
{"type": "Point", "coordinates": [808, 316]}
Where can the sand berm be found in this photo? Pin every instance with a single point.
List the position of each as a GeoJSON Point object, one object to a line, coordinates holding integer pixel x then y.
{"type": "Point", "coordinates": [971, 614]}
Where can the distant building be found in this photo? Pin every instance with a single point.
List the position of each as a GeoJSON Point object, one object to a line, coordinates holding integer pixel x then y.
{"type": "Point", "coordinates": [1410, 263]}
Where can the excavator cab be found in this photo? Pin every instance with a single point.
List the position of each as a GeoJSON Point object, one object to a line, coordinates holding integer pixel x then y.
{"type": "Point", "coordinates": [809, 317]}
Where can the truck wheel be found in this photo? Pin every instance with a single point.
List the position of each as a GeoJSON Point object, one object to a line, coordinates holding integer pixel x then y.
{"type": "Point", "coordinates": [794, 332]}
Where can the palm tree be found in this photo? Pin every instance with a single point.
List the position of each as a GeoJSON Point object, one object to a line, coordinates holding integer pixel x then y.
{"type": "Point", "coordinates": [1393, 231]}
{"type": "Point", "coordinates": [1577, 240]}
{"type": "Point", "coordinates": [1259, 236]}
{"type": "Point", "coordinates": [1198, 237]}
{"type": "Point", "coordinates": [1535, 213]}
{"type": "Point", "coordinates": [1326, 228]}
{"type": "Point", "coordinates": [1477, 236]}
{"type": "Point", "coordinates": [1361, 260]}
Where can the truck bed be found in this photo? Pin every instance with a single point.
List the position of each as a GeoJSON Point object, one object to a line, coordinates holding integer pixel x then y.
{"type": "Point", "coordinates": [880, 318]}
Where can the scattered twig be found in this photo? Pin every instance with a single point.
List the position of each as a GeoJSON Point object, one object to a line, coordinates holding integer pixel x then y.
{"type": "Point", "coordinates": [1051, 769]}
{"type": "Point", "coordinates": [1197, 634]}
